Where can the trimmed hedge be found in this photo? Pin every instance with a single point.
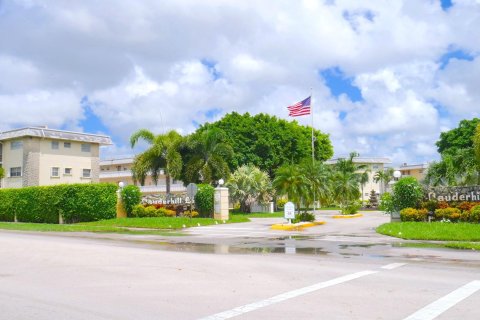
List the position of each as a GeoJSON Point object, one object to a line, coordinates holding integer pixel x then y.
{"type": "Point", "coordinates": [75, 202]}
{"type": "Point", "coordinates": [131, 196]}
{"type": "Point", "coordinates": [204, 200]}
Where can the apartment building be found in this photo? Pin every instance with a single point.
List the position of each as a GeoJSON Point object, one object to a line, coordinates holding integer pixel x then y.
{"type": "Point", "coordinates": [373, 165]}
{"type": "Point", "coordinates": [35, 156]}
{"type": "Point", "coordinates": [417, 171]}
{"type": "Point", "coordinates": [120, 170]}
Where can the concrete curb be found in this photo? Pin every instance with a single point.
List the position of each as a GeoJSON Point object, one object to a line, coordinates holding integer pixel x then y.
{"type": "Point", "coordinates": [347, 216]}
{"type": "Point", "coordinates": [296, 226]}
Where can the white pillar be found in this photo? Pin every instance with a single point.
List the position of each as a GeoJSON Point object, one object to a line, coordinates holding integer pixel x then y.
{"type": "Point", "coordinates": [220, 200]}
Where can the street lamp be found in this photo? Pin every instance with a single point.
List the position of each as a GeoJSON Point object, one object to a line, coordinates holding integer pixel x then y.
{"type": "Point", "coordinates": [121, 184]}
{"type": "Point", "coordinates": [221, 182]}
{"type": "Point", "coordinates": [397, 174]}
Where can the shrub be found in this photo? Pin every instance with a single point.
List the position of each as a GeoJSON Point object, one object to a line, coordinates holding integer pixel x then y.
{"type": "Point", "coordinates": [131, 196]}
{"type": "Point", "coordinates": [138, 211]}
{"type": "Point", "coordinates": [466, 206]}
{"type": "Point", "coordinates": [407, 193]}
{"type": "Point", "coordinates": [75, 202]}
{"type": "Point", "coordinates": [386, 203]}
{"type": "Point", "coordinates": [351, 208]}
{"type": "Point", "coordinates": [204, 200]}
{"type": "Point", "coordinates": [304, 216]}
{"type": "Point", "coordinates": [443, 205]}
{"type": "Point", "coordinates": [190, 214]}
{"type": "Point", "coordinates": [430, 205]}
{"type": "Point", "coordinates": [474, 215]}
{"type": "Point", "coordinates": [412, 214]}
{"type": "Point", "coordinates": [281, 203]}
{"type": "Point", "coordinates": [452, 214]}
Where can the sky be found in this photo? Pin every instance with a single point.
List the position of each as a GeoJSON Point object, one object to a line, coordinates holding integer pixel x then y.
{"type": "Point", "coordinates": [387, 77]}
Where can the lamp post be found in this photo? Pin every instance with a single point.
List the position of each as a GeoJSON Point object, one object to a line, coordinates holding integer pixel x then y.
{"type": "Point", "coordinates": [121, 212]}
{"type": "Point", "coordinates": [395, 216]}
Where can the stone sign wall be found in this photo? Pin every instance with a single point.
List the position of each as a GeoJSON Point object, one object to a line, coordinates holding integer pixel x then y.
{"type": "Point", "coordinates": [448, 194]}
{"type": "Point", "coordinates": [163, 199]}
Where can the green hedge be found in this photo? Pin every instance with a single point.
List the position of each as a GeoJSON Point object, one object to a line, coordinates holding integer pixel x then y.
{"type": "Point", "coordinates": [75, 202]}
{"type": "Point", "coordinates": [131, 196]}
{"type": "Point", "coordinates": [204, 200]}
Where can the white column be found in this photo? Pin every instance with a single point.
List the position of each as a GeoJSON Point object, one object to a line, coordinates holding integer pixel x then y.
{"type": "Point", "coordinates": [220, 201]}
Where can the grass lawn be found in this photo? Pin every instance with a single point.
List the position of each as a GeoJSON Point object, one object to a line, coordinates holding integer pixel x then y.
{"type": "Point", "coordinates": [461, 235]}
{"type": "Point", "coordinates": [162, 225]}
{"type": "Point", "coordinates": [278, 214]}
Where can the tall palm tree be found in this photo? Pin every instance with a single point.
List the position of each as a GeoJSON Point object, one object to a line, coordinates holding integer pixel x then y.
{"type": "Point", "coordinates": [292, 181]}
{"type": "Point", "coordinates": [162, 154]}
{"type": "Point", "coordinates": [364, 178]}
{"type": "Point", "coordinates": [384, 177]}
{"type": "Point", "coordinates": [346, 180]}
{"type": "Point", "coordinates": [209, 157]}
{"type": "Point", "coordinates": [318, 177]}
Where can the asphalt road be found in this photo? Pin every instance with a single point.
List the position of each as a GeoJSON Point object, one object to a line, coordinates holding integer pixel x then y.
{"type": "Point", "coordinates": [235, 273]}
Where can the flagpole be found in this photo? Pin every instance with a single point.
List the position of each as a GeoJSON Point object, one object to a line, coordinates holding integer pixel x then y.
{"type": "Point", "coordinates": [313, 146]}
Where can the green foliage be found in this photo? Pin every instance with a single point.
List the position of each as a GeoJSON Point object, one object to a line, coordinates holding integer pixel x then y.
{"type": "Point", "coordinates": [430, 205]}
{"type": "Point", "coordinates": [207, 154]}
{"type": "Point", "coordinates": [281, 203]}
{"type": "Point", "coordinates": [268, 142]}
{"type": "Point", "coordinates": [373, 200]}
{"type": "Point", "coordinates": [407, 193]}
{"type": "Point", "coordinates": [458, 138]}
{"type": "Point", "coordinates": [346, 180]}
{"type": "Point", "coordinates": [384, 177]}
{"type": "Point", "coordinates": [386, 203]}
{"type": "Point", "coordinates": [2, 173]}
{"type": "Point", "coordinates": [412, 214]}
{"type": "Point", "coordinates": [304, 217]}
{"type": "Point", "coordinates": [351, 208]}
{"type": "Point", "coordinates": [476, 145]}
{"type": "Point", "coordinates": [131, 196]}
{"type": "Point", "coordinates": [163, 154]}
{"type": "Point", "coordinates": [75, 202]}
{"type": "Point", "coordinates": [474, 215]}
{"type": "Point", "coordinates": [249, 185]}
{"type": "Point", "coordinates": [204, 200]}
{"type": "Point", "coordinates": [452, 214]}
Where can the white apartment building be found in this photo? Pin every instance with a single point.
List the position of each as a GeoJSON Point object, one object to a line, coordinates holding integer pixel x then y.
{"type": "Point", "coordinates": [38, 156]}
{"type": "Point", "coordinates": [120, 170]}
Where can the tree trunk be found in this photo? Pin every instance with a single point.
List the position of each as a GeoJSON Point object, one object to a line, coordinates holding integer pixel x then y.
{"type": "Point", "coordinates": [167, 180]}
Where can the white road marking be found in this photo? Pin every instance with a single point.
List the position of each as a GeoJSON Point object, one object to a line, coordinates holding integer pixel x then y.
{"type": "Point", "coordinates": [393, 266]}
{"type": "Point", "coordinates": [286, 296]}
{"type": "Point", "coordinates": [438, 307]}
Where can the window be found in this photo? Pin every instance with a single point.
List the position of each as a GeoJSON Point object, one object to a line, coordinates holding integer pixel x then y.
{"type": "Point", "coordinates": [55, 145]}
{"type": "Point", "coordinates": [16, 172]}
{"type": "Point", "coordinates": [15, 145]}
{"type": "Point", "coordinates": [67, 145]}
{"type": "Point", "coordinates": [55, 171]}
{"type": "Point", "coordinates": [85, 147]}
{"type": "Point", "coordinates": [86, 173]}
{"type": "Point", "coordinates": [119, 168]}
{"type": "Point", "coordinates": [68, 171]}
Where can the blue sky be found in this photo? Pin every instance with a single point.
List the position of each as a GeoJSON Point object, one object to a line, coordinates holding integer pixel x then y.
{"type": "Point", "coordinates": [387, 77]}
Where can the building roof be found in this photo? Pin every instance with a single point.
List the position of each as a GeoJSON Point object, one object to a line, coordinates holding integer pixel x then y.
{"type": "Point", "coordinates": [108, 162]}
{"type": "Point", "coordinates": [371, 160]}
{"type": "Point", "coordinates": [413, 166]}
{"type": "Point", "coordinates": [55, 134]}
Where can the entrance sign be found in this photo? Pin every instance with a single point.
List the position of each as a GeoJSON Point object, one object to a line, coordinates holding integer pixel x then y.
{"type": "Point", "coordinates": [289, 210]}
{"type": "Point", "coordinates": [468, 193]}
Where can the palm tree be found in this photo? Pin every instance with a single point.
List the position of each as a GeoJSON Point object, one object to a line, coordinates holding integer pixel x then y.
{"type": "Point", "coordinates": [210, 154]}
{"type": "Point", "coordinates": [248, 185]}
{"type": "Point", "coordinates": [364, 178]}
{"type": "Point", "coordinates": [292, 181]}
{"type": "Point", "coordinates": [384, 177]}
{"type": "Point", "coordinates": [346, 180]}
{"type": "Point", "coordinates": [318, 177]}
{"type": "Point", "coordinates": [162, 154]}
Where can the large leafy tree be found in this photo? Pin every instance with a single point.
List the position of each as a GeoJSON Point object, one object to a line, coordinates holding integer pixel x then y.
{"type": "Point", "coordinates": [207, 154]}
{"type": "Point", "coordinates": [162, 154]}
{"type": "Point", "coordinates": [460, 156]}
{"type": "Point", "coordinates": [249, 185]}
{"type": "Point", "coordinates": [268, 142]}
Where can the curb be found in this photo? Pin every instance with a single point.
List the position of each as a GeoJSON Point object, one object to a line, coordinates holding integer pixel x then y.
{"type": "Point", "coordinates": [297, 226]}
{"type": "Point", "coordinates": [349, 216]}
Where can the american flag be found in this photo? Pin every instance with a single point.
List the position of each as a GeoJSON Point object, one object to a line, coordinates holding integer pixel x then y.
{"type": "Point", "coordinates": [300, 108]}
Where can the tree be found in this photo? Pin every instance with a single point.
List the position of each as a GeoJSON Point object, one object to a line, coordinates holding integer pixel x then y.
{"type": "Point", "coordinates": [476, 145]}
{"type": "Point", "coordinates": [373, 199]}
{"type": "Point", "coordinates": [268, 142]}
{"type": "Point", "coordinates": [384, 177]}
{"type": "Point", "coordinates": [207, 154]}
{"type": "Point", "coordinates": [364, 178]}
{"type": "Point", "coordinates": [346, 180]}
{"type": "Point", "coordinates": [249, 185]}
{"type": "Point", "coordinates": [318, 176]}
{"type": "Point", "coordinates": [162, 154]}
{"type": "Point", "coordinates": [458, 138]}
{"type": "Point", "coordinates": [2, 173]}
{"type": "Point", "coordinates": [291, 180]}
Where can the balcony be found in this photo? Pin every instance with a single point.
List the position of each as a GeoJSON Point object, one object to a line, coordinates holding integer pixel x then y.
{"type": "Point", "coordinates": [115, 174]}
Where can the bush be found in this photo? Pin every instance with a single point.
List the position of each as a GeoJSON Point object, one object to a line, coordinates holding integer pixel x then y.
{"type": "Point", "coordinates": [386, 203]}
{"type": "Point", "coordinates": [407, 193]}
{"type": "Point", "coordinates": [430, 205]}
{"type": "Point", "coordinates": [204, 200]}
{"type": "Point", "coordinates": [281, 203]}
{"type": "Point", "coordinates": [412, 214]}
{"type": "Point", "coordinates": [474, 215]}
{"type": "Point", "coordinates": [75, 202]}
{"type": "Point", "coordinates": [466, 206]}
{"type": "Point", "coordinates": [304, 216]}
{"type": "Point", "coordinates": [131, 196]}
{"type": "Point", "coordinates": [351, 208]}
{"type": "Point", "coordinates": [190, 214]}
{"type": "Point", "coordinates": [452, 214]}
